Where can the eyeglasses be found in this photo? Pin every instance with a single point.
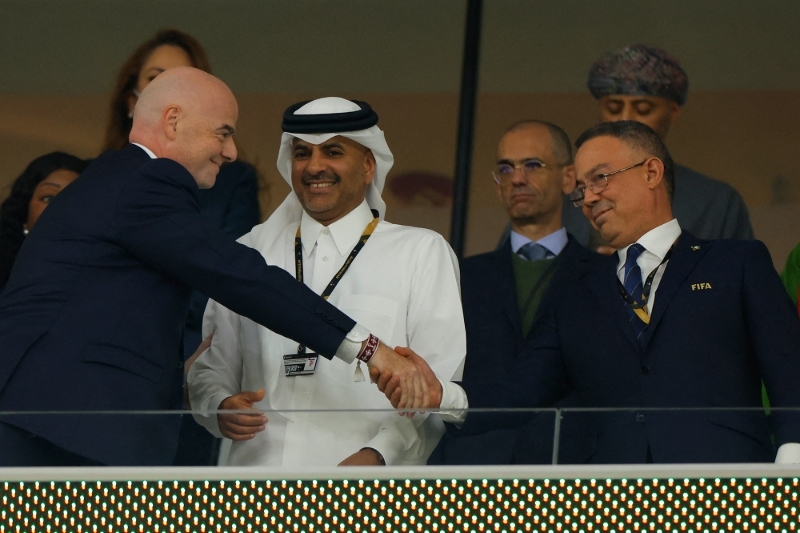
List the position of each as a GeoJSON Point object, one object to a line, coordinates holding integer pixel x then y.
{"type": "Point", "coordinates": [596, 184]}
{"type": "Point", "coordinates": [503, 172]}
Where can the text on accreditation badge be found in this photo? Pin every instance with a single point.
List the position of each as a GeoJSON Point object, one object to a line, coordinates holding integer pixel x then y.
{"type": "Point", "coordinates": [300, 364]}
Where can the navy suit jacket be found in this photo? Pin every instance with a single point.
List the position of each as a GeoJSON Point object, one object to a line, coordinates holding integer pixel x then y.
{"type": "Point", "coordinates": [91, 318]}
{"type": "Point", "coordinates": [495, 340]}
{"type": "Point", "coordinates": [722, 322]}
{"type": "Point", "coordinates": [231, 205]}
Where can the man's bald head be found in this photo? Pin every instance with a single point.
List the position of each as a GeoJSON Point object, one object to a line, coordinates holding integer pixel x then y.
{"type": "Point", "coordinates": [188, 115]}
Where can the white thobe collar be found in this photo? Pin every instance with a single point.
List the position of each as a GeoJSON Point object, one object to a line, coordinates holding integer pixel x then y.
{"type": "Point", "coordinates": [345, 232]}
{"type": "Point", "coordinates": [657, 241]}
{"type": "Point", "coordinates": [147, 150]}
{"type": "Point", "coordinates": [555, 242]}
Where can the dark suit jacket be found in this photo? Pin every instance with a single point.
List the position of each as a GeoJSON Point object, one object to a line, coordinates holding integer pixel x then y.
{"type": "Point", "coordinates": [707, 346]}
{"type": "Point", "coordinates": [494, 341]}
{"type": "Point", "coordinates": [92, 315]}
{"type": "Point", "coordinates": [231, 205]}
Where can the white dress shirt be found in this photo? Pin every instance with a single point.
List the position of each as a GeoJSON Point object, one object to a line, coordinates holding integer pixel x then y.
{"type": "Point", "coordinates": [555, 242]}
{"type": "Point", "coordinates": [147, 150]}
{"type": "Point", "coordinates": [403, 286]}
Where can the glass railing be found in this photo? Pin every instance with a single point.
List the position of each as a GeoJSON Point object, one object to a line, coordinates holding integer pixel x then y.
{"type": "Point", "coordinates": [302, 438]}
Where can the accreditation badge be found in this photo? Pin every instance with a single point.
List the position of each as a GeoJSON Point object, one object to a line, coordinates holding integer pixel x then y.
{"type": "Point", "coordinates": [302, 364]}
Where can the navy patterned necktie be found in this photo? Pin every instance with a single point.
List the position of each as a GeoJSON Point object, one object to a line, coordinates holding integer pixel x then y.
{"type": "Point", "coordinates": [535, 252]}
{"type": "Point", "coordinates": [633, 284]}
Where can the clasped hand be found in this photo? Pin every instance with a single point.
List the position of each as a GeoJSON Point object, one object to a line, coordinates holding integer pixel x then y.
{"type": "Point", "coordinates": [242, 425]}
{"type": "Point", "coordinates": [406, 380]}
{"type": "Point", "coordinates": [402, 375]}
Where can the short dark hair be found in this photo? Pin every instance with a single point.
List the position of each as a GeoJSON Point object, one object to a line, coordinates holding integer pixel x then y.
{"type": "Point", "coordinates": [562, 148]}
{"type": "Point", "coordinates": [638, 136]}
{"type": "Point", "coordinates": [14, 210]}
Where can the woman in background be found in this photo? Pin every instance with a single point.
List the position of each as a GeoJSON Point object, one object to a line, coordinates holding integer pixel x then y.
{"type": "Point", "coordinates": [231, 204]}
{"type": "Point", "coordinates": [31, 192]}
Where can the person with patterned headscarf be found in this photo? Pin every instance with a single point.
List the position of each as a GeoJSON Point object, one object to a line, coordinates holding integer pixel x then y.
{"type": "Point", "coordinates": [400, 282]}
{"type": "Point", "coordinates": [647, 84]}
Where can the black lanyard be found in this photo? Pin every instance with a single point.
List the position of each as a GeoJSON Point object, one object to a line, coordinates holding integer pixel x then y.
{"type": "Point", "coordinates": [640, 308]}
{"type": "Point", "coordinates": [298, 262]}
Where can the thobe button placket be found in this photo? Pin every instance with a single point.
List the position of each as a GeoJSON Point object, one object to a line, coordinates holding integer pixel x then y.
{"type": "Point", "coordinates": [325, 263]}
{"type": "Point", "coordinates": [640, 418]}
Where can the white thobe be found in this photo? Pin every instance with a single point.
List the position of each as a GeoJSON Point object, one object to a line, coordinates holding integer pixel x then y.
{"type": "Point", "coordinates": [403, 286]}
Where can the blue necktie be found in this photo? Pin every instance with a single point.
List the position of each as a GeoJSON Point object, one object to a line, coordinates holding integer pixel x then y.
{"type": "Point", "coordinates": [633, 284]}
{"type": "Point", "coordinates": [534, 252]}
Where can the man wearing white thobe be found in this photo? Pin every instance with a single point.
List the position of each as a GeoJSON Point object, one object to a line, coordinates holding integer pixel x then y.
{"type": "Point", "coordinates": [402, 286]}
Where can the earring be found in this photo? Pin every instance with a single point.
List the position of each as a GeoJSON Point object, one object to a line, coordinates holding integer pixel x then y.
{"type": "Point", "coordinates": [25, 230]}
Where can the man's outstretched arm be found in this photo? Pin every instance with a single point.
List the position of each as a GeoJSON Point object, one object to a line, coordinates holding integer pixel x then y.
{"type": "Point", "coordinates": [159, 223]}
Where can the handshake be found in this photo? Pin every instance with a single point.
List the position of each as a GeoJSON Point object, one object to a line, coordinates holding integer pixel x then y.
{"type": "Point", "coordinates": [406, 380]}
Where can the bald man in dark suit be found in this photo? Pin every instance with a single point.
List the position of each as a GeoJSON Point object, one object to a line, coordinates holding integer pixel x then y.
{"type": "Point", "coordinates": [91, 318]}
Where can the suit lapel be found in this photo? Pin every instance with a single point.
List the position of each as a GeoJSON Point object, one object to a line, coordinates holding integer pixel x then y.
{"type": "Point", "coordinates": [604, 284]}
{"type": "Point", "coordinates": [569, 262]}
{"type": "Point", "coordinates": [683, 260]}
{"type": "Point", "coordinates": [502, 277]}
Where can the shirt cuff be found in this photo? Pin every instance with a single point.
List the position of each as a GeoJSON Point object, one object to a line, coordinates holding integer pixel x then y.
{"type": "Point", "coordinates": [389, 443]}
{"type": "Point", "coordinates": [351, 345]}
{"type": "Point", "coordinates": [454, 405]}
{"type": "Point", "coordinates": [788, 454]}
{"type": "Point", "coordinates": [207, 419]}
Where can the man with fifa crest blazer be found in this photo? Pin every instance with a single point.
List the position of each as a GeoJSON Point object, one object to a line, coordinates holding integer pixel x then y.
{"type": "Point", "coordinates": [670, 322]}
{"type": "Point", "coordinates": [92, 315]}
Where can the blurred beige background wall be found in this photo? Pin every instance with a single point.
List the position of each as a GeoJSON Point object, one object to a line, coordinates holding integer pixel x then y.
{"type": "Point", "coordinates": [740, 124]}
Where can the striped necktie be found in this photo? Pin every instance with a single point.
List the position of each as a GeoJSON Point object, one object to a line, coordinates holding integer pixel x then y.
{"type": "Point", "coordinates": [633, 284]}
{"type": "Point", "coordinates": [535, 252]}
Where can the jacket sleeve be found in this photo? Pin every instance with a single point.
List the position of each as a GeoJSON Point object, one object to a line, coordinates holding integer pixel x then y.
{"type": "Point", "coordinates": [239, 213]}
{"type": "Point", "coordinates": [536, 380]}
{"type": "Point", "coordinates": [774, 329]}
{"type": "Point", "coordinates": [157, 220]}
